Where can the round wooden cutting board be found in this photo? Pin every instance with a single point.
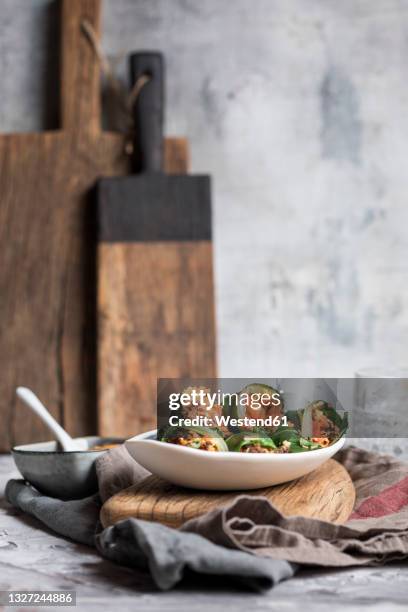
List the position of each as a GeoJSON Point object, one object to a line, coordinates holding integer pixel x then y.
{"type": "Point", "coordinates": [327, 494]}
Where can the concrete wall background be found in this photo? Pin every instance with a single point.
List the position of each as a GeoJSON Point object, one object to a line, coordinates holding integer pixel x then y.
{"type": "Point", "coordinates": [299, 111]}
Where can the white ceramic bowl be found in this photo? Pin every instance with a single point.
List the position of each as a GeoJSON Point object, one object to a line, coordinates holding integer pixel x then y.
{"type": "Point", "coordinates": [198, 469]}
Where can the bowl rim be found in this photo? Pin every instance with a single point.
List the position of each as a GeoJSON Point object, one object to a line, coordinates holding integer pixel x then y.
{"type": "Point", "coordinates": [22, 449]}
{"type": "Point", "coordinates": [144, 437]}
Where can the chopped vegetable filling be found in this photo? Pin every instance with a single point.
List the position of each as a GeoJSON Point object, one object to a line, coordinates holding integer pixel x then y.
{"type": "Point", "coordinates": [316, 426]}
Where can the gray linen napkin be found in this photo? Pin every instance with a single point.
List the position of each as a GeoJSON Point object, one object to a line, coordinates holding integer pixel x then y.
{"type": "Point", "coordinates": [76, 519]}
{"type": "Point", "coordinates": [168, 554]}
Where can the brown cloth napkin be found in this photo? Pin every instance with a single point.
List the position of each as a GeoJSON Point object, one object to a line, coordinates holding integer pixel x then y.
{"type": "Point", "coordinates": [377, 531]}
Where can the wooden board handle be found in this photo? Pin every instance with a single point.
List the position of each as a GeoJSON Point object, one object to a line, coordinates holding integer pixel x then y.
{"type": "Point", "coordinates": [148, 111]}
{"type": "Point", "coordinates": [80, 78]}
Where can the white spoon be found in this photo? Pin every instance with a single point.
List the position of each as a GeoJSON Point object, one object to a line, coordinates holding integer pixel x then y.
{"type": "Point", "coordinates": [32, 401]}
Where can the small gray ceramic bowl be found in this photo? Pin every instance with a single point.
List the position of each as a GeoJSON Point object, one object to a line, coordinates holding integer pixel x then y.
{"type": "Point", "coordinates": [66, 475]}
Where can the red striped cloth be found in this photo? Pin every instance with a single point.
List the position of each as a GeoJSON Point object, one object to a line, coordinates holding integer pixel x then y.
{"type": "Point", "coordinates": [391, 500]}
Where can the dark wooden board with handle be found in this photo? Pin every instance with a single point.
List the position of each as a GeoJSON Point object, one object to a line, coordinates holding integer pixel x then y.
{"type": "Point", "coordinates": [47, 221]}
{"type": "Point", "coordinates": [155, 274]}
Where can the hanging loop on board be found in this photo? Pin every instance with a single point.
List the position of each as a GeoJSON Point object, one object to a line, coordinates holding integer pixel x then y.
{"type": "Point", "coordinates": [125, 98]}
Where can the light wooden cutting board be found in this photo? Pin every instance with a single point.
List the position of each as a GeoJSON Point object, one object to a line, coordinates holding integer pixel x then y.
{"type": "Point", "coordinates": [327, 494]}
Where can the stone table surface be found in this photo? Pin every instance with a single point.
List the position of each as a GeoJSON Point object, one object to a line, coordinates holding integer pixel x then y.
{"type": "Point", "coordinates": [32, 557]}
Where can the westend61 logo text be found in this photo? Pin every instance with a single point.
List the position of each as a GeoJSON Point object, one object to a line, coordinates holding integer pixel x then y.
{"type": "Point", "coordinates": [208, 415]}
